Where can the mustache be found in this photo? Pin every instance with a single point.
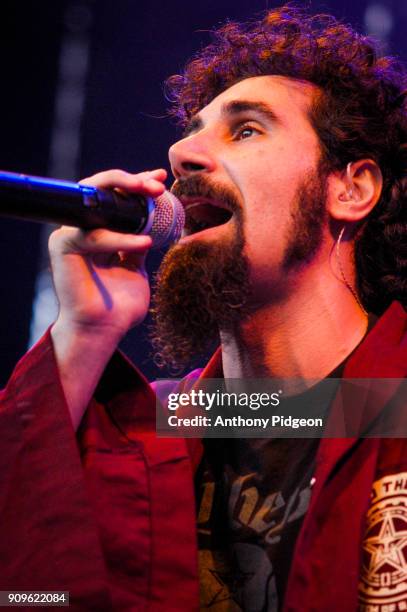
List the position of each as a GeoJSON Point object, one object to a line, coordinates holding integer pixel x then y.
{"type": "Point", "coordinates": [200, 186]}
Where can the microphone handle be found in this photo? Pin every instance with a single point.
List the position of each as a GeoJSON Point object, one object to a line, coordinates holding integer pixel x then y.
{"type": "Point", "coordinates": [66, 203]}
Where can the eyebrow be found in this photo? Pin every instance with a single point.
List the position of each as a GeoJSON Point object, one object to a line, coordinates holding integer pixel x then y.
{"type": "Point", "coordinates": [232, 108]}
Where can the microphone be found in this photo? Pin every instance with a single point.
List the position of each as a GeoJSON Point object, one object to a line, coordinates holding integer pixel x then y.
{"type": "Point", "coordinates": [62, 202]}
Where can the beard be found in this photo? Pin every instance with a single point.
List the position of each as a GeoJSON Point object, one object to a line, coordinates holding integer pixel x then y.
{"type": "Point", "coordinates": [308, 217]}
{"type": "Point", "coordinates": [201, 287]}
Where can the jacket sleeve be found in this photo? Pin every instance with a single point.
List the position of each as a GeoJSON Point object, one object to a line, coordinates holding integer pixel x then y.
{"type": "Point", "coordinates": [48, 538]}
{"type": "Point", "coordinates": [84, 512]}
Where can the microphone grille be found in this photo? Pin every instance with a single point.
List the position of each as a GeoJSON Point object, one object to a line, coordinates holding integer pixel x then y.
{"type": "Point", "coordinates": [168, 221]}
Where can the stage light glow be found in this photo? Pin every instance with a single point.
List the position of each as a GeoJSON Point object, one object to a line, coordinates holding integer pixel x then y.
{"type": "Point", "coordinates": [379, 21]}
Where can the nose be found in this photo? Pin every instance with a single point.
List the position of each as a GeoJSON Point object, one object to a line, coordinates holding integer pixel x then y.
{"type": "Point", "coordinates": [191, 155]}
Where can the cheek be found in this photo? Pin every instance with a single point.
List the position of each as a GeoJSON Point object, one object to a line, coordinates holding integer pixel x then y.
{"type": "Point", "coordinates": [272, 176]}
{"type": "Point", "coordinates": [268, 201]}
{"type": "Point", "coordinates": [266, 227]}
{"type": "Point", "coordinates": [264, 232]}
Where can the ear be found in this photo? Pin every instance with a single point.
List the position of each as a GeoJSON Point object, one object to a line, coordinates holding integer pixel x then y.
{"type": "Point", "coordinates": [355, 191]}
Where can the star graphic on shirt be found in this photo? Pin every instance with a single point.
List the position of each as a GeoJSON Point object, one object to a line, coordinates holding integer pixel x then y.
{"type": "Point", "coordinates": [230, 581]}
{"type": "Point", "coordinates": [387, 547]}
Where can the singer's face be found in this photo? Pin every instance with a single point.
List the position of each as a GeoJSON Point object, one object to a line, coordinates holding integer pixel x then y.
{"type": "Point", "coordinates": [253, 150]}
{"type": "Point", "coordinates": [249, 174]}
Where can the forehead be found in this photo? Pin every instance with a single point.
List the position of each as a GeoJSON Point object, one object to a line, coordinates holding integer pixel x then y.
{"type": "Point", "coordinates": [289, 99]}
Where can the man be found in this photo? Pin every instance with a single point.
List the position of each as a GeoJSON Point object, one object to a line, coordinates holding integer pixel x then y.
{"type": "Point", "coordinates": [292, 173]}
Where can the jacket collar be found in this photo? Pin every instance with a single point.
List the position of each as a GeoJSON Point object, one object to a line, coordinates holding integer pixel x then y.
{"type": "Point", "coordinates": [381, 355]}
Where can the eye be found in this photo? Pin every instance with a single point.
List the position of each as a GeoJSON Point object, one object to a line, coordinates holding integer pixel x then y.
{"type": "Point", "coordinates": [244, 131]}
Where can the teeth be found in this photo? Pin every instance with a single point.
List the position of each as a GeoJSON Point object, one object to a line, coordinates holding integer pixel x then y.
{"type": "Point", "coordinates": [192, 205]}
{"type": "Point", "coordinates": [189, 209]}
{"type": "Point", "coordinates": [202, 215]}
{"type": "Point", "coordinates": [189, 205]}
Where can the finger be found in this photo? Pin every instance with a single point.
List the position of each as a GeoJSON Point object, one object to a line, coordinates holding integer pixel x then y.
{"type": "Point", "coordinates": [72, 240]}
{"type": "Point", "coordinates": [149, 186]}
{"type": "Point", "coordinates": [143, 182]}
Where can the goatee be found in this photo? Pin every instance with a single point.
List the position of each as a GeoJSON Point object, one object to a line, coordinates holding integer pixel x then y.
{"type": "Point", "coordinates": [200, 288]}
{"type": "Point", "coordinates": [204, 287]}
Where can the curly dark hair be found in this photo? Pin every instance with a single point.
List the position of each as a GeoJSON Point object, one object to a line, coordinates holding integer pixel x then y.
{"type": "Point", "coordinates": [360, 112]}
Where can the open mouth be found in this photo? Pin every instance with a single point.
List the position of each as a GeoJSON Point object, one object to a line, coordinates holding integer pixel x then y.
{"type": "Point", "coordinates": [204, 215]}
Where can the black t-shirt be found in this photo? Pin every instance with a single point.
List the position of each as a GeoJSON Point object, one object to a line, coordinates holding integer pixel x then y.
{"type": "Point", "coordinates": [249, 517]}
{"type": "Point", "coordinates": [252, 496]}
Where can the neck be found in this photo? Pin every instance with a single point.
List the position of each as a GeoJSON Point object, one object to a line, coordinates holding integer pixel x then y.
{"type": "Point", "coordinates": [305, 336]}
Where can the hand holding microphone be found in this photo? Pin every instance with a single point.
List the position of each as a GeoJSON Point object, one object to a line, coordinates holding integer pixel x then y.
{"type": "Point", "coordinates": [135, 208]}
{"type": "Point", "coordinates": [85, 206]}
{"type": "Point", "coordinates": [102, 287]}
{"type": "Point", "coordinates": [99, 275]}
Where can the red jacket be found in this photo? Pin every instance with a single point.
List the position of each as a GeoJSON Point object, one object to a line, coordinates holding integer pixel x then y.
{"type": "Point", "coordinates": [109, 515]}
